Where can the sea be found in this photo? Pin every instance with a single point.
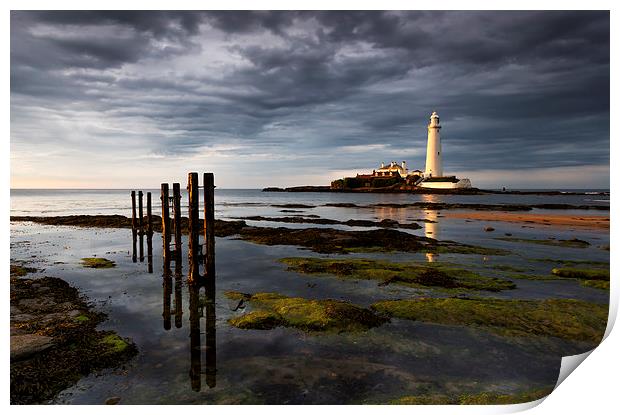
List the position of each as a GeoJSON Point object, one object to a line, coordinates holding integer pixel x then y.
{"type": "Point", "coordinates": [221, 364]}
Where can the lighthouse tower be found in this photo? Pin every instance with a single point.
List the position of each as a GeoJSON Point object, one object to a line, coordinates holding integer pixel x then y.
{"type": "Point", "coordinates": [434, 167]}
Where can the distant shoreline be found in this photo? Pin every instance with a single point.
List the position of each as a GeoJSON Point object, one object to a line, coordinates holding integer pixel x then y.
{"type": "Point", "coordinates": [466, 191]}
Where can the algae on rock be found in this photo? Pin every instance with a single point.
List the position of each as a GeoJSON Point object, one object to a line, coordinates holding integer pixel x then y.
{"type": "Point", "coordinates": [566, 319]}
{"type": "Point", "coordinates": [97, 263]}
{"type": "Point", "coordinates": [582, 273]}
{"type": "Point", "coordinates": [483, 398]}
{"type": "Point", "coordinates": [273, 310]}
{"type": "Point", "coordinates": [405, 273]}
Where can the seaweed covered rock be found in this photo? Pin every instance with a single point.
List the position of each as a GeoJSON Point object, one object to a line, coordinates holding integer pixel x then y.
{"type": "Point", "coordinates": [54, 340]}
{"type": "Point", "coordinates": [582, 273]}
{"type": "Point", "coordinates": [404, 273]}
{"type": "Point", "coordinates": [271, 310]}
{"type": "Point", "coordinates": [566, 319]}
{"type": "Point", "coordinates": [97, 263]}
{"type": "Point", "coordinates": [327, 240]}
{"type": "Point", "coordinates": [222, 228]}
{"type": "Point", "coordinates": [483, 398]}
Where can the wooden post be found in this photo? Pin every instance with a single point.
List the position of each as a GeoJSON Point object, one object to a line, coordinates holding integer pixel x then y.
{"type": "Point", "coordinates": [133, 210]}
{"type": "Point", "coordinates": [165, 224]}
{"type": "Point", "coordinates": [140, 225]}
{"type": "Point", "coordinates": [176, 196]}
{"type": "Point", "coordinates": [140, 210]}
{"type": "Point", "coordinates": [209, 224]}
{"type": "Point", "coordinates": [194, 266]}
{"type": "Point", "coordinates": [149, 233]}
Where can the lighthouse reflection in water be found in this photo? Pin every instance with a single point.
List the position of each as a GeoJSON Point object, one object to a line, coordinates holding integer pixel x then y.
{"type": "Point", "coordinates": [431, 223]}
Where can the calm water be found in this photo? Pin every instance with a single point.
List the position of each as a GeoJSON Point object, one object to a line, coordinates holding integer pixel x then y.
{"type": "Point", "coordinates": [111, 202]}
{"type": "Point", "coordinates": [190, 354]}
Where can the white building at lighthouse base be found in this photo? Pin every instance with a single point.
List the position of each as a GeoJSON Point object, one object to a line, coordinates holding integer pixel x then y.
{"type": "Point", "coordinates": [445, 183]}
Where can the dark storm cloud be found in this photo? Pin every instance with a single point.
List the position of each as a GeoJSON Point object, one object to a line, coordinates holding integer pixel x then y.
{"type": "Point", "coordinates": [514, 89]}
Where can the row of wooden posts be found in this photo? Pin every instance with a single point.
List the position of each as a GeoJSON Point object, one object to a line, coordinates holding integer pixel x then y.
{"type": "Point", "coordinates": [139, 228]}
{"type": "Point", "coordinates": [172, 252]}
{"type": "Point", "coordinates": [173, 225]}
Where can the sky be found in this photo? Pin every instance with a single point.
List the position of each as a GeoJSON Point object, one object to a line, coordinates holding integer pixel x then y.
{"type": "Point", "coordinates": [105, 99]}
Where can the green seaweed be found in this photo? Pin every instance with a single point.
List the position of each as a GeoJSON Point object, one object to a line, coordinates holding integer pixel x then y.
{"type": "Point", "coordinates": [406, 273]}
{"type": "Point", "coordinates": [504, 267]}
{"type": "Point", "coordinates": [272, 310]}
{"type": "Point", "coordinates": [483, 398]}
{"type": "Point", "coordinates": [20, 270]}
{"type": "Point", "coordinates": [466, 250]}
{"type": "Point", "coordinates": [573, 262]}
{"type": "Point", "coordinates": [82, 318]}
{"type": "Point", "coordinates": [601, 285]}
{"type": "Point", "coordinates": [97, 263]}
{"type": "Point", "coordinates": [549, 277]}
{"type": "Point", "coordinates": [582, 273]}
{"type": "Point", "coordinates": [113, 343]}
{"type": "Point", "coordinates": [566, 319]}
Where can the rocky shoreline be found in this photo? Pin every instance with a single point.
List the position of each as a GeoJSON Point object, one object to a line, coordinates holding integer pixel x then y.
{"type": "Point", "coordinates": [421, 190]}
{"type": "Point", "coordinates": [54, 339]}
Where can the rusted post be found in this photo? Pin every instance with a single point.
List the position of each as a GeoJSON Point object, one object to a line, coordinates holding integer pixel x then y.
{"type": "Point", "coordinates": [133, 210]}
{"type": "Point", "coordinates": [209, 224]}
{"type": "Point", "coordinates": [176, 196]}
{"type": "Point", "coordinates": [194, 247]}
{"type": "Point", "coordinates": [165, 224]}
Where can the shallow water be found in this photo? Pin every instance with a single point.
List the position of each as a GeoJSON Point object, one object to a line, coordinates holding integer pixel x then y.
{"type": "Point", "coordinates": [188, 353]}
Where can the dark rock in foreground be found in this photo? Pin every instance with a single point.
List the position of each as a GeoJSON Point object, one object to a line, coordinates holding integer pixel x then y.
{"type": "Point", "coordinates": [54, 341]}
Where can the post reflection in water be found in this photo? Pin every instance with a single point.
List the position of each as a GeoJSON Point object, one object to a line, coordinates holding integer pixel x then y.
{"type": "Point", "coordinates": [141, 246]}
{"type": "Point", "coordinates": [149, 249]}
{"type": "Point", "coordinates": [178, 301]}
{"type": "Point", "coordinates": [167, 284]}
{"type": "Point", "coordinates": [134, 238]}
{"type": "Point", "coordinates": [201, 306]}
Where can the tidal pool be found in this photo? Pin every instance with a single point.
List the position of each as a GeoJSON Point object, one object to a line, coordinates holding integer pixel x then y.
{"type": "Point", "coordinates": [190, 354]}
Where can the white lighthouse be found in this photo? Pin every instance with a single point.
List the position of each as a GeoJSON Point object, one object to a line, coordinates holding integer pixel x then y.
{"type": "Point", "coordinates": [434, 166]}
{"type": "Point", "coordinates": [433, 174]}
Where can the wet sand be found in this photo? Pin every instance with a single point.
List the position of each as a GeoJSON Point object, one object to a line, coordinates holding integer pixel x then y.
{"type": "Point", "coordinates": [586, 221]}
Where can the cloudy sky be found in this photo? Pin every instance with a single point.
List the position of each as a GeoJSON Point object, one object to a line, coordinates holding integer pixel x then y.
{"type": "Point", "coordinates": [133, 99]}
